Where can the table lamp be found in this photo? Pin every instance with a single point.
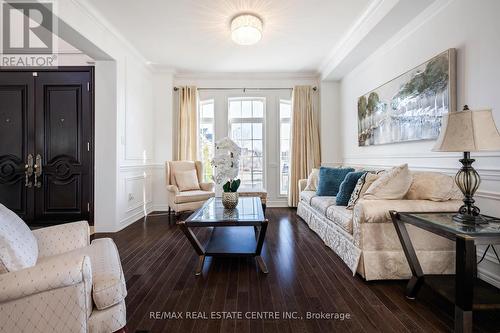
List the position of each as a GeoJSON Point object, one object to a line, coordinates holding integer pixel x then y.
{"type": "Point", "coordinates": [468, 131]}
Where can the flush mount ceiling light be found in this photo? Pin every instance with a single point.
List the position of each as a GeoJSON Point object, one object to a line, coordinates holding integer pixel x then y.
{"type": "Point", "coordinates": [246, 29]}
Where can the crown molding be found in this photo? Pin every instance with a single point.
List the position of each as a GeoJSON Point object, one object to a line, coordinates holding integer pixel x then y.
{"type": "Point", "coordinates": [418, 21]}
{"type": "Point", "coordinates": [306, 75]}
{"type": "Point", "coordinates": [349, 54]}
{"type": "Point", "coordinates": [158, 68]}
{"type": "Point", "coordinates": [371, 16]}
{"type": "Point", "coordinates": [94, 14]}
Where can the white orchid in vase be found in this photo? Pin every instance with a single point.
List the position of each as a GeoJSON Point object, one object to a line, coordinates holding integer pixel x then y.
{"type": "Point", "coordinates": [226, 163]}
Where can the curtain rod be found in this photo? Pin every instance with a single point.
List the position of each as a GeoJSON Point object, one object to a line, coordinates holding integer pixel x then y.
{"type": "Point", "coordinates": [244, 89]}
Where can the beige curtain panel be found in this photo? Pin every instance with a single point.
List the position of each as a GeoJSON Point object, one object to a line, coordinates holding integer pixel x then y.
{"type": "Point", "coordinates": [186, 141]}
{"type": "Point", "coordinates": [305, 151]}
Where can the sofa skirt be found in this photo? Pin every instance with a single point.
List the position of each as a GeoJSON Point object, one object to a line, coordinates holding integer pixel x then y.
{"type": "Point", "coordinates": [384, 259]}
{"type": "Point", "coordinates": [332, 235]}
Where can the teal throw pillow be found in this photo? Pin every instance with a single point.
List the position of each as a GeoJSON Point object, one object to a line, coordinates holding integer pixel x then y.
{"type": "Point", "coordinates": [330, 180]}
{"type": "Point", "coordinates": [347, 187]}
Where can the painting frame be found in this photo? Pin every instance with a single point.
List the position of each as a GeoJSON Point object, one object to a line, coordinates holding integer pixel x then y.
{"type": "Point", "coordinates": [405, 112]}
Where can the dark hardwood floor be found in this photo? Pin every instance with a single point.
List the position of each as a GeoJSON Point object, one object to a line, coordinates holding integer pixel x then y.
{"type": "Point", "coordinates": [304, 276]}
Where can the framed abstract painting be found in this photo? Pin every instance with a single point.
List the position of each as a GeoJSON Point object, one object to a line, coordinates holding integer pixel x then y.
{"type": "Point", "coordinates": [409, 107]}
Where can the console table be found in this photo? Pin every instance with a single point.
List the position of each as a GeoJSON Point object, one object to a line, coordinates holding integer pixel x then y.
{"type": "Point", "coordinates": [464, 289]}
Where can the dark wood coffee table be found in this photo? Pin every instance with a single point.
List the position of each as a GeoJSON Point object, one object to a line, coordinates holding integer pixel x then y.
{"type": "Point", "coordinates": [238, 232]}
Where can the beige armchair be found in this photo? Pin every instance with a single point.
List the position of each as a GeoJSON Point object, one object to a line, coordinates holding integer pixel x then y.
{"type": "Point", "coordinates": [74, 286]}
{"type": "Point", "coordinates": [186, 200]}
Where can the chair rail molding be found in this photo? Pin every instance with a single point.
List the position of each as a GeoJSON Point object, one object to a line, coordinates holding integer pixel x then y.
{"type": "Point", "coordinates": [486, 174]}
{"type": "Point", "coordinates": [139, 167]}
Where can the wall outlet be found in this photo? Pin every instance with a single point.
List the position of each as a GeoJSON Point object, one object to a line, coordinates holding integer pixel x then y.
{"type": "Point", "coordinates": [130, 197]}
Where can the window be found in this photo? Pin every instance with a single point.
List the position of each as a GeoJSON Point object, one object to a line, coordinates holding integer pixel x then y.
{"type": "Point", "coordinates": [285, 115]}
{"type": "Point", "coordinates": [206, 137]}
{"type": "Point", "coordinates": [246, 128]}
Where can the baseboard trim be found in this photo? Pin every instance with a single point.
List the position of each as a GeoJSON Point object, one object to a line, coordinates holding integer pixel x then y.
{"type": "Point", "coordinates": [160, 208]}
{"type": "Point", "coordinates": [125, 222]}
{"type": "Point", "coordinates": [140, 211]}
{"type": "Point", "coordinates": [277, 203]}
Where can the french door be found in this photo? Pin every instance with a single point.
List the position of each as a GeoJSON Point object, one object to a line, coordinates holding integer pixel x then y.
{"type": "Point", "coordinates": [46, 140]}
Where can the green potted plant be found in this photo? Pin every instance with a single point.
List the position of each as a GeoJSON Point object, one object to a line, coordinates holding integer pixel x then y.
{"type": "Point", "coordinates": [230, 195]}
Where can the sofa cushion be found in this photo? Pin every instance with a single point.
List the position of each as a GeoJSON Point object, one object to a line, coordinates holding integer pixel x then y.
{"type": "Point", "coordinates": [330, 180]}
{"type": "Point", "coordinates": [433, 186]}
{"type": "Point", "coordinates": [312, 181]}
{"type": "Point", "coordinates": [187, 180]}
{"type": "Point", "coordinates": [306, 196]}
{"type": "Point", "coordinates": [361, 186]}
{"type": "Point", "coordinates": [347, 187]}
{"type": "Point", "coordinates": [378, 211]}
{"type": "Point", "coordinates": [18, 245]}
{"type": "Point", "coordinates": [391, 185]}
{"type": "Point", "coordinates": [321, 204]}
{"type": "Point", "coordinates": [341, 216]}
{"type": "Point", "coordinates": [191, 196]}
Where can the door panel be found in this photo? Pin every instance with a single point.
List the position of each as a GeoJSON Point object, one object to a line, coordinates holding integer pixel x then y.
{"type": "Point", "coordinates": [16, 141]}
{"type": "Point", "coordinates": [62, 122]}
{"type": "Point", "coordinates": [64, 133]}
{"type": "Point", "coordinates": [63, 194]}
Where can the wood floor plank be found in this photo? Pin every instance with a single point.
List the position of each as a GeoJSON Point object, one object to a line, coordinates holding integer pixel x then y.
{"type": "Point", "coordinates": [304, 276]}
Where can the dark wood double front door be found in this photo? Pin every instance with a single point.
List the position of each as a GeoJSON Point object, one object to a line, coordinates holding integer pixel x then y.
{"type": "Point", "coordinates": [46, 140]}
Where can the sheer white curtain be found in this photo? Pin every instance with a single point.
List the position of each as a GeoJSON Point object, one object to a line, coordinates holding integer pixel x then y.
{"type": "Point", "coordinates": [305, 153]}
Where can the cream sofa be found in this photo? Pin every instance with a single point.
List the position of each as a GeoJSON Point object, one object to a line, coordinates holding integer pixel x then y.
{"type": "Point", "coordinates": [75, 285]}
{"type": "Point", "coordinates": [365, 238]}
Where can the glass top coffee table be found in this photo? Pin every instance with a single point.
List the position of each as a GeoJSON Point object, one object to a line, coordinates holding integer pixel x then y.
{"type": "Point", "coordinates": [238, 232]}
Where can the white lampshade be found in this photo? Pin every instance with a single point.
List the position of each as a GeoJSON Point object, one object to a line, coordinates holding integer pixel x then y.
{"type": "Point", "coordinates": [468, 131]}
{"type": "Point", "coordinates": [246, 29]}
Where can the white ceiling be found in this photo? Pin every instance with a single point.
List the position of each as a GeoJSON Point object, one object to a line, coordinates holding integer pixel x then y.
{"type": "Point", "coordinates": [194, 36]}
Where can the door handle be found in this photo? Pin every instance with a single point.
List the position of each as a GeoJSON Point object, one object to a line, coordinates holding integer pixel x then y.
{"type": "Point", "coordinates": [38, 170]}
{"type": "Point", "coordinates": [28, 171]}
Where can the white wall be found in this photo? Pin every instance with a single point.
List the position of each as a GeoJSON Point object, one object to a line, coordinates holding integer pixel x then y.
{"type": "Point", "coordinates": [105, 147]}
{"type": "Point", "coordinates": [124, 146]}
{"type": "Point", "coordinates": [472, 28]}
{"type": "Point", "coordinates": [136, 140]}
{"type": "Point", "coordinates": [249, 80]}
{"type": "Point", "coordinates": [330, 125]}
{"type": "Point", "coordinates": [163, 129]}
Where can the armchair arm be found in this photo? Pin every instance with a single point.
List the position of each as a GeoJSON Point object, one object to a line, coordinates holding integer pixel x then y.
{"type": "Point", "coordinates": [377, 211]}
{"type": "Point", "coordinates": [62, 238]}
{"type": "Point", "coordinates": [172, 188]}
{"type": "Point", "coordinates": [207, 186]}
{"type": "Point", "coordinates": [53, 273]}
{"type": "Point", "coordinates": [302, 184]}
